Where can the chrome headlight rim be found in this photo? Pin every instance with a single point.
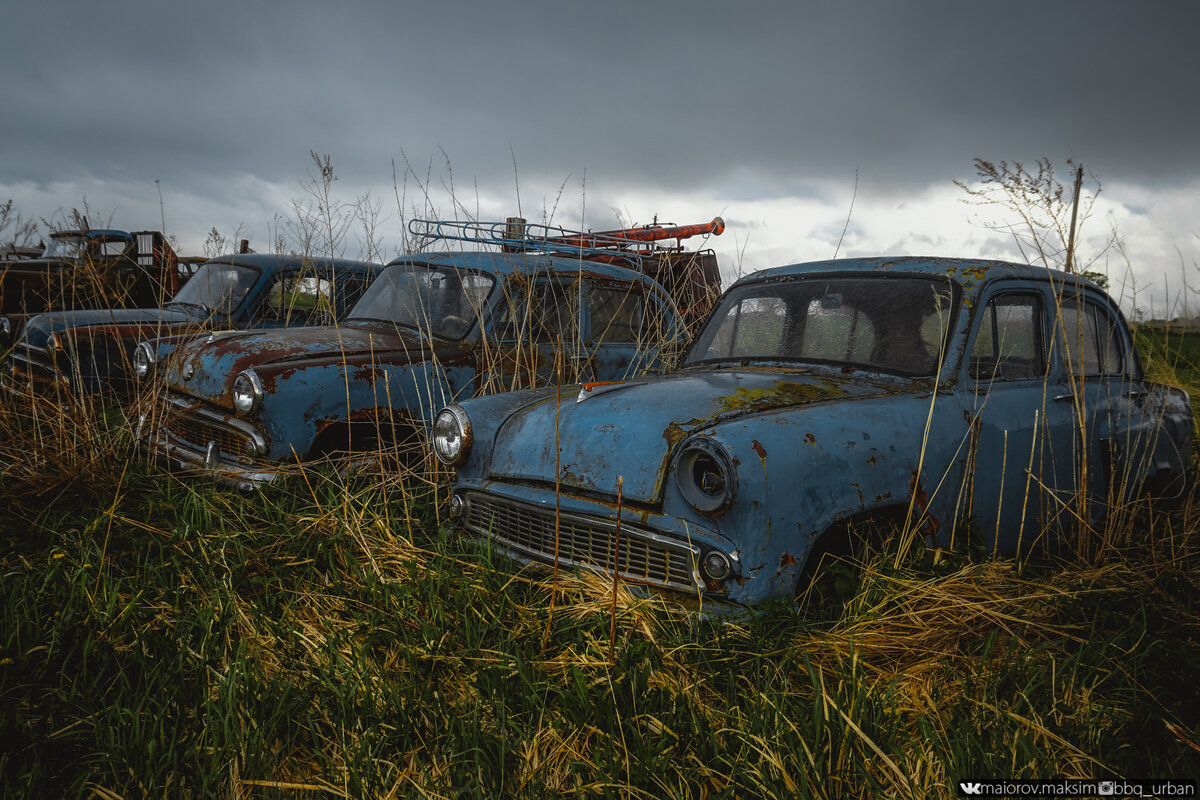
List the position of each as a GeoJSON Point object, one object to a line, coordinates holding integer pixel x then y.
{"type": "Point", "coordinates": [452, 435]}
{"type": "Point", "coordinates": [247, 393]}
{"type": "Point", "coordinates": [143, 359]}
{"type": "Point", "coordinates": [706, 475]}
{"type": "Point", "coordinates": [5, 329]}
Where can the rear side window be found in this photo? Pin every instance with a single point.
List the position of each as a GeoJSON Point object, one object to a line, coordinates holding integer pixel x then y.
{"type": "Point", "coordinates": [1008, 340]}
{"type": "Point", "coordinates": [1090, 341]}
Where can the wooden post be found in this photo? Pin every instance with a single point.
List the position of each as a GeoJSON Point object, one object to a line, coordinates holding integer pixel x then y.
{"type": "Point", "coordinates": [1074, 217]}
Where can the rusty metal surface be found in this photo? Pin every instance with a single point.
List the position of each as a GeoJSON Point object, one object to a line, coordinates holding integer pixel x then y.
{"type": "Point", "coordinates": [371, 379]}
{"type": "Point", "coordinates": [91, 350]}
{"type": "Point", "coordinates": [812, 442]}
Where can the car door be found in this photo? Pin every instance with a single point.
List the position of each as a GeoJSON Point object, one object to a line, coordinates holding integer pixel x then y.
{"type": "Point", "coordinates": [535, 335]}
{"type": "Point", "coordinates": [1120, 419]}
{"type": "Point", "coordinates": [1011, 485]}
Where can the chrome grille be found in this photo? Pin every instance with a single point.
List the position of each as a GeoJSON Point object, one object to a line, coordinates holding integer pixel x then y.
{"type": "Point", "coordinates": [186, 427]}
{"type": "Point", "coordinates": [584, 541]}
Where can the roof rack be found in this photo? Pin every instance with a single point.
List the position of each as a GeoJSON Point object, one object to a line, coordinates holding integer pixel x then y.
{"type": "Point", "coordinates": [516, 235]}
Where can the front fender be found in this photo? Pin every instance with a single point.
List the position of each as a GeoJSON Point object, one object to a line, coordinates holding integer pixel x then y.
{"type": "Point", "coordinates": [801, 472]}
{"type": "Point", "coordinates": [301, 402]}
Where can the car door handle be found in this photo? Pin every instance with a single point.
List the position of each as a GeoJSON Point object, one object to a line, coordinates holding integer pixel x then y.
{"type": "Point", "coordinates": [1067, 396]}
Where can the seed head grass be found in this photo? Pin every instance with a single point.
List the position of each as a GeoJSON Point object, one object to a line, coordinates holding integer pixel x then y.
{"type": "Point", "coordinates": [332, 636]}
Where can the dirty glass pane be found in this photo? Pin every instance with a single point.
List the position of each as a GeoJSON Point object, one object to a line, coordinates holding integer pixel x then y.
{"type": "Point", "coordinates": [217, 287]}
{"type": "Point", "coordinates": [1008, 340]}
{"type": "Point", "coordinates": [1091, 346]}
{"type": "Point", "coordinates": [300, 298]}
{"type": "Point", "coordinates": [837, 333]}
{"type": "Point", "coordinates": [544, 311]}
{"type": "Point", "coordinates": [616, 314]}
{"type": "Point", "coordinates": [555, 312]}
{"type": "Point", "coordinates": [437, 301]}
{"type": "Point", "coordinates": [884, 323]}
{"type": "Point", "coordinates": [66, 247]}
{"type": "Point", "coordinates": [112, 249]}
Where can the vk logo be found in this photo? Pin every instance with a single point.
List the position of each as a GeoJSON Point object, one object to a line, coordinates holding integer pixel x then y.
{"type": "Point", "coordinates": [970, 788]}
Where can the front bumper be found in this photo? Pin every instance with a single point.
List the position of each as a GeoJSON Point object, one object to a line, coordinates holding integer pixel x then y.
{"type": "Point", "coordinates": [191, 436]}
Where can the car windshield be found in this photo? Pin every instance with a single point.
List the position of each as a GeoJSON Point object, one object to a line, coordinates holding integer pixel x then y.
{"type": "Point", "coordinates": [884, 323]}
{"type": "Point", "coordinates": [217, 287]}
{"type": "Point", "coordinates": [437, 301]}
{"type": "Point", "coordinates": [70, 248]}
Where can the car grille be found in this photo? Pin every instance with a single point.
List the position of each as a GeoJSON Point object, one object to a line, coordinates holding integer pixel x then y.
{"type": "Point", "coordinates": [584, 541]}
{"type": "Point", "coordinates": [194, 432]}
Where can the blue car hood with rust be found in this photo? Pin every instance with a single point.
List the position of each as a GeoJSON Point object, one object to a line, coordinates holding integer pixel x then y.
{"type": "Point", "coordinates": [214, 361]}
{"type": "Point", "coordinates": [631, 430]}
{"type": "Point", "coordinates": [38, 329]}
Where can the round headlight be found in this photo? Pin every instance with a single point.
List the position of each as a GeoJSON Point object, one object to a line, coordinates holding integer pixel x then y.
{"type": "Point", "coordinates": [705, 475]}
{"type": "Point", "coordinates": [716, 565]}
{"type": "Point", "coordinates": [452, 435]}
{"type": "Point", "coordinates": [247, 393]}
{"type": "Point", "coordinates": [143, 360]}
{"type": "Point", "coordinates": [5, 328]}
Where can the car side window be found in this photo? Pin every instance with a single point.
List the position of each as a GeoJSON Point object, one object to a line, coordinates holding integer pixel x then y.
{"type": "Point", "coordinates": [616, 313]}
{"type": "Point", "coordinates": [299, 298]}
{"type": "Point", "coordinates": [1090, 342]}
{"type": "Point", "coordinates": [555, 311]}
{"type": "Point", "coordinates": [1008, 339]}
{"type": "Point", "coordinates": [542, 311]}
{"type": "Point", "coordinates": [112, 249]}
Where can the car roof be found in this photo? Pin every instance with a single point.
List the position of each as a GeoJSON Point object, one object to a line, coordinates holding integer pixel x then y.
{"type": "Point", "coordinates": [524, 263]}
{"type": "Point", "coordinates": [972, 273]}
{"type": "Point", "coordinates": [91, 233]}
{"type": "Point", "coordinates": [272, 262]}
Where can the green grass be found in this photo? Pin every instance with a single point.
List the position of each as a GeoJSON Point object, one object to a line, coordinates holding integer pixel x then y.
{"type": "Point", "coordinates": [326, 638]}
{"type": "Point", "coordinates": [167, 640]}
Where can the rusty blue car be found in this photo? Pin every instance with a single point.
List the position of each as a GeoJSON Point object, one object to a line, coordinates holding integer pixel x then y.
{"type": "Point", "coordinates": [432, 328]}
{"type": "Point", "coordinates": [951, 398]}
{"type": "Point", "coordinates": [98, 350]}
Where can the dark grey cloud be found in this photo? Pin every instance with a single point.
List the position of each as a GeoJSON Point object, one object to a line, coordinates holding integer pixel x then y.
{"type": "Point", "coordinates": [765, 99]}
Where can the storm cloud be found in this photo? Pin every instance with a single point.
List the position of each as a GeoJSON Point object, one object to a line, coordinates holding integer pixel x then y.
{"type": "Point", "coordinates": [793, 109]}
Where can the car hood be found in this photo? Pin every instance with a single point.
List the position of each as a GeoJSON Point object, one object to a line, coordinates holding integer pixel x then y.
{"type": "Point", "coordinates": [207, 366]}
{"type": "Point", "coordinates": [630, 430]}
{"type": "Point", "coordinates": [39, 328]}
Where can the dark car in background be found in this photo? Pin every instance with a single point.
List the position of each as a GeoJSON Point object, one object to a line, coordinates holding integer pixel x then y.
{"type": "Point", "coordinates": [94, 350]}
{"type": "Point", "coordinates": [947, 398]}
{"type": "Point", "coordinates": [90, 268]}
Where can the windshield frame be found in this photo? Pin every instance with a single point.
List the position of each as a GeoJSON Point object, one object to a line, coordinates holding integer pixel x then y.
{"type": "Point", "coordinates": [704, 339]}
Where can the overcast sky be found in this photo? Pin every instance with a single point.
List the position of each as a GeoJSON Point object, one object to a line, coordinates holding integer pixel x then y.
{"type": "Point", "coordinates": [795, 121]}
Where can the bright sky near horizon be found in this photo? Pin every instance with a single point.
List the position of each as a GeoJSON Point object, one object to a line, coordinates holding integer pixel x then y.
{"type": "Point", "coordinates": [794, 121]}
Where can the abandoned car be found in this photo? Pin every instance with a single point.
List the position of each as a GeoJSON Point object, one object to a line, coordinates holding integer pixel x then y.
{"type": "Point", "coordinates": [431, 328]}
{"type": "Point", "coordinates": [953, 397]}
{"type": "Point", "coordinates": [92, 268]}
{"type": "Point", "coordinates": [94, 350]}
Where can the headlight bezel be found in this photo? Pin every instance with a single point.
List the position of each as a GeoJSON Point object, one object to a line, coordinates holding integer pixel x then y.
{"type": "Point", "coordinates": [247, 393]}
{"type": "Point", "coordinates": [452, 436]}
{"type": "Point", "coordinates": [706, 475]}
{"type": "Point", "coordinates": [143, 360]}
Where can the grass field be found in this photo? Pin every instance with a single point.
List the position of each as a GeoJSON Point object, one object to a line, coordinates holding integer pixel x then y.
{"type": "Point", "coordinates": [328, 638]}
